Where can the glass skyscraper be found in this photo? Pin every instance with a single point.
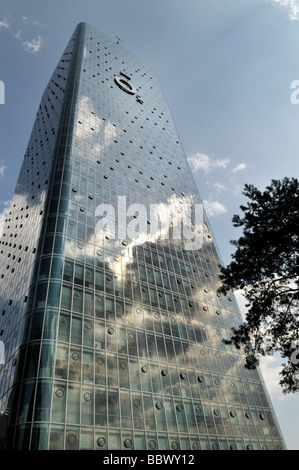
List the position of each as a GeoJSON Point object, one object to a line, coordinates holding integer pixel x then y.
{"type": "Point", "coordinates": [113, 330]}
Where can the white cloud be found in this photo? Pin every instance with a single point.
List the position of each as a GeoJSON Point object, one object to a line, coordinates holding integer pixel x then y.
{"type": "Point", "coordinates": [18, 34]}
{"type": "Point", "coordinates": [239, 167]}
{"type": "Point", "coordinates": [214, 208]}
{"type": "Point", "coordinates": [201, 161]}
{"type": "Point", "coordinates": [270, 367]}
{"type": "Point", "coordinates": [27, 19]}
{"type": "Point", "coordinates": [241, 301]}
{"type": "Point", "coordinates": [34, 46]}
{"type": "Point", "coordinates": [4, 24]}
{"type": "Point", "coordinates": [292, 7]}
{"type": "Point", "coordinates": [237, 188]}
{"type": "Point", "coordinates": [2, 170]}
{"type": "Point", "coordinates": [3, 215]}
{"type": "Point", "coordinates": [220, 187]}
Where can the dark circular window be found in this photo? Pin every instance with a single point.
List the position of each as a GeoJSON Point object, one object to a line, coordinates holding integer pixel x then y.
{"type": "Point", "coordinates": [59, 393]}
{"type": "Point", "coordinates": [87, 396]}
{"type": "Point", "coordinates": [101, 441]}
{"type": "Point", "coordinates": [152, 445]}
{"type": "Point", "coordinates": [72, 439]}
{"type": "Point", "coordinates": [128, 443]}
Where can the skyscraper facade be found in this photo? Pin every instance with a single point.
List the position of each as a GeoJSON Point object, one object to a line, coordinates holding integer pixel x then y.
{"type": "Point", "coordinates": [110, 316]}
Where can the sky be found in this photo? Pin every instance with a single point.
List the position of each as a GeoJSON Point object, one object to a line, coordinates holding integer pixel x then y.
{"type": "Point", "coordinates": [226, 68]}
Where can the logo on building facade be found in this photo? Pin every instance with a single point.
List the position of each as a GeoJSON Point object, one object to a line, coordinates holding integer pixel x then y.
{"type": "Point", "coordinates": [122, 81]}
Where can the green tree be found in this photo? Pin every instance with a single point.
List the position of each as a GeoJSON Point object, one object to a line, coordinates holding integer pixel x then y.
{"type": "Point", "coordinates": [265, 266]}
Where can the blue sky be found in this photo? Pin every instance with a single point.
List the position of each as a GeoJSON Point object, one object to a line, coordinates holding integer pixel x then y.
{"type": "Point", "coordinates": [225, 67]}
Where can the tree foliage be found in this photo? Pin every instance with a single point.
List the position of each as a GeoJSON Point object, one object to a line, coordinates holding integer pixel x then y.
{"type": "Point", "coordinates": [265, 267]}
